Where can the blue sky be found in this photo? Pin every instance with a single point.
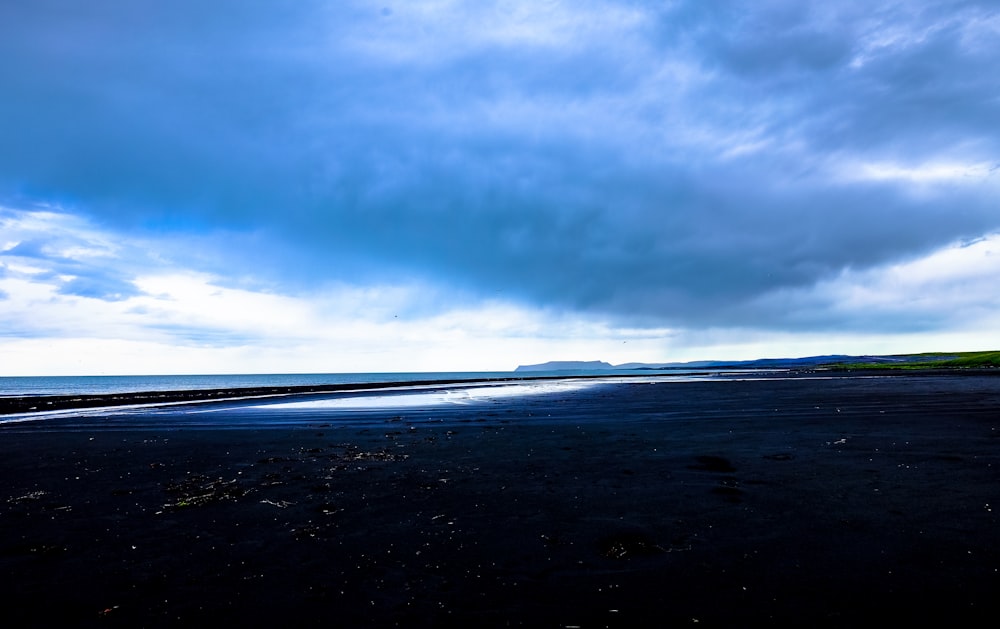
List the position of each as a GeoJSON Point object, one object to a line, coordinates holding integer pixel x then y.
{"type": "Point", "coordinates": [238, 186]}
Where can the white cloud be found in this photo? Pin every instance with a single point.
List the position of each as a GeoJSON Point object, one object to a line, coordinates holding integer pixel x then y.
{"type": "Point", "coordinates": [946, 293]}
{"type": "Point", "coordinates": [927, 173]}
{"type": "Point", "coordinates": [955, 283]}
{"type": "Point", "coordinates": [435, 31]}
{"type": "Point", "coordinates": [187, 321]}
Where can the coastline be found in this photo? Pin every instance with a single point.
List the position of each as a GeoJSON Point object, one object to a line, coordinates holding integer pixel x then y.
{"type": "Point", "coordinates": [784, 502]}
{"type": "Point", "coordinates": [43, 403]}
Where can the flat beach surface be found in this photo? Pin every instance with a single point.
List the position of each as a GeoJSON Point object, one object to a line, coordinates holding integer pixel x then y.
{"type": "Point", "coordinates": [803, 501]}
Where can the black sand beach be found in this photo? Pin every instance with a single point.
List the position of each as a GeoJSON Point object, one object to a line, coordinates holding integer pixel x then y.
{"type": "Point", "coordinates": [775, 502]}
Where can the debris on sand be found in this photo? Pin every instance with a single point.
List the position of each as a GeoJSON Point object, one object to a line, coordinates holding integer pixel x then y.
{"type": "Point", "coordinates": [198, 490]}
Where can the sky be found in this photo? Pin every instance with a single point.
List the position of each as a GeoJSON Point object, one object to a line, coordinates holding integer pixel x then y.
{"type": "Point", "coordinates": [244, 186]}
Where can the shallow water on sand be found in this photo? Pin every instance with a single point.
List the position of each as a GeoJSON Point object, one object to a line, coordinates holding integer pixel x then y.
{"type": "Point", "coordinates": [101, 385]}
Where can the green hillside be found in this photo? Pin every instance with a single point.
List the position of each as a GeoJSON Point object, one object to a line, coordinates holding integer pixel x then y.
{"type": "Point", "coordinates": [935, 360]}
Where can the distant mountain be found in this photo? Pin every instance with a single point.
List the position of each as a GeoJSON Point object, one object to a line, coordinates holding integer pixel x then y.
{"type": "Point", "coordinates": [806, 361]}
{"type": "Point", "coordinates": [567, 365]}
{"type": "Point", "coordinates": [896, 360]}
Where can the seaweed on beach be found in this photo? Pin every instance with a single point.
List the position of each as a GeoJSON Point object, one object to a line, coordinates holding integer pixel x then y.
{"type": "Point", "coordinates": [198, 490]}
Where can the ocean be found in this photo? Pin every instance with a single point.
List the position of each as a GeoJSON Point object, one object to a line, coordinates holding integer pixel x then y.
{"type": "Point", "coordinates": [137, 398]}
{"type": "Point", "coordinates": [15, 386]}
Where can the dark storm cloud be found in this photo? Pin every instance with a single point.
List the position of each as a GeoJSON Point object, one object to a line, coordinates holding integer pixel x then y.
{"type": "Point", "coordinates": [670, 166]}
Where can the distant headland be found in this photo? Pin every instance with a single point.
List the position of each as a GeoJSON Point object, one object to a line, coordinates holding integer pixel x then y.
{"type": "Point", "coordinates": [568, 365]}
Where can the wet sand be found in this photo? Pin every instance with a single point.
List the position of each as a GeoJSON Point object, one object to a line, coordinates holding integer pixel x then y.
{"type": "Point", "coordinates": [17, 404]}
{"type": "Point", "coordinates": [781, 502]}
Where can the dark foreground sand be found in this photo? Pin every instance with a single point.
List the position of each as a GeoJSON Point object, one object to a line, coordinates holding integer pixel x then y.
{"type": "Point", "coordinates": [801, 502]}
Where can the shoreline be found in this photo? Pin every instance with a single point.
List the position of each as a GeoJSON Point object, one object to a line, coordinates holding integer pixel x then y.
{"type": "Point", "coordinates": [29, 405]}
{"type": "Point", "coordinates": [43, 403]}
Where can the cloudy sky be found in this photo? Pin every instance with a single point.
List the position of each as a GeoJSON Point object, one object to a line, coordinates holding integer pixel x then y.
{"type": "Point", "coordinates": [264, 186]}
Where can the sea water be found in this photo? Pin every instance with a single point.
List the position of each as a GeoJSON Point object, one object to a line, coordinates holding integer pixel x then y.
{"type": "Point", "coordinates": [419, 392]}
{"type": "Point", "coordinates": [11, 386]}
